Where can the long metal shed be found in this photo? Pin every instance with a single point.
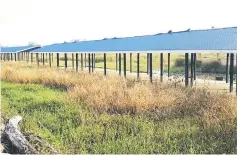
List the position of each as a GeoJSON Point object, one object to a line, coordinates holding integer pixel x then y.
{"type": "Point", "coordinates": [223, 40]}
{"type": "Point", "coordinates": [16, 53]}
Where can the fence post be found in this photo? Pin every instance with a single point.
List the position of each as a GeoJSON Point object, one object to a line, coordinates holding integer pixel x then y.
{"type": "Point", "coordinates": [186, 69]}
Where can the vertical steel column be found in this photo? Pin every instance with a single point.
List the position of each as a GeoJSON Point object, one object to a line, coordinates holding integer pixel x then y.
{"type": "Point", "coordinates": [37, 59]}
{"type": "Point", "coordinates": [147, 62]}
{"type": "Point", "coordinates": [72, 61]}
{"type": "Point", "coordinates": [236, 74]}
{"type": "Point", "coordinates": [89, 62]}
{"type": "Point", "coordinates": [65, 59]}
{"type": "Point", "coordinates": [77, 62]}
{"type": "Point", "coordinates": [150, 63]}
{"type": "Point", "coordinates": [27, 60]}
{"type": "Point", "coordinates": [15, 56]}
{"type": "Point", "coordinates": [104, 63]}
{"type": "Point", "coordinates": [120, 64]}
{"type": "Point", "coordinates": [186, 69]}
{"type": "Point", "coordinates": [57, 60]}
{"type": "Point", "coordinates": [116, 61]}
{"type": "Point", "coordinates": [227, 68]}
{"type": "Point", "coordinates": [191, 67]}
{"type": "Point", "coordinates": [124, 64]}
{"type": "Point", "coordinates": [92, 62]}
{"type": "Point", "coordinates": [11, 57]}
{"type": "Point", "coordinates": [161, 67]}
{"type": "Point", "coordinates": [43, 58]}
{"type": "Point", "coordinates": [130, 62]}
{"type": "Point", "coordinates": [81, 61]}
{"type": "Point", "coordinates": [46, 60]}
{"type": "Point", "coordinates": [50, 60]}
{"type": "Point", "coordinates": [168, 64]}
{"type": "Point", "coordinates": [138, 65]}
{"type": "Point", "coordinates": [85, 60]}
{"type": "Point", "coordinates": [231, 71]}
{"type": "Point", "coordinates": [194, 65]}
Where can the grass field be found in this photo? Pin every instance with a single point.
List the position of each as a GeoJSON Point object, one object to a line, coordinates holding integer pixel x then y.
{"type": "Point", "coordinates": [82, 113]}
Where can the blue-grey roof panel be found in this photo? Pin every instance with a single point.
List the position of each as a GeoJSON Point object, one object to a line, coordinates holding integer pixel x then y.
{"type": "Point", "coordinates": [17, 49]}
{"type": "Point", "coordinates": [213, 39]}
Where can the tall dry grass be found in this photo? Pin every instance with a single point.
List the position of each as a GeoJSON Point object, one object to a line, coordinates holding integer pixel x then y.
{"type": "Point", "coordinates": [113, 94]}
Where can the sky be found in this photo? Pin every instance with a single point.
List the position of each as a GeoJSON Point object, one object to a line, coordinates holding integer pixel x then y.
{"type": "Point", "coordinates": [54, 21]}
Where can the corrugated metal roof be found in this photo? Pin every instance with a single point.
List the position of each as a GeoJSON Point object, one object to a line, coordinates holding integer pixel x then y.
{"type": "Point", "coordinates": [17, 49]}
{"type": "Point", "coordinates": [213, 39]}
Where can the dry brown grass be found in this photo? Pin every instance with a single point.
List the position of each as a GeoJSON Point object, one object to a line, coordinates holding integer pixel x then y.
{"type": "Point", "coordinates": [115, 95]}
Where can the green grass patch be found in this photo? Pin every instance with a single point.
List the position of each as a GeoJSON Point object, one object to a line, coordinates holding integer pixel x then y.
{"type": "Point", "coordinates": [73, 128]}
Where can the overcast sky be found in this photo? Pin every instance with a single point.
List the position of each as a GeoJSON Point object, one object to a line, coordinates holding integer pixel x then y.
{"type": "Point", "coordinates": [51, 21]}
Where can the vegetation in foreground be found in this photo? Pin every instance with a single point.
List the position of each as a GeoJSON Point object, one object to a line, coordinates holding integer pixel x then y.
{"type": "Point", "coordinates": [81, 113]}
